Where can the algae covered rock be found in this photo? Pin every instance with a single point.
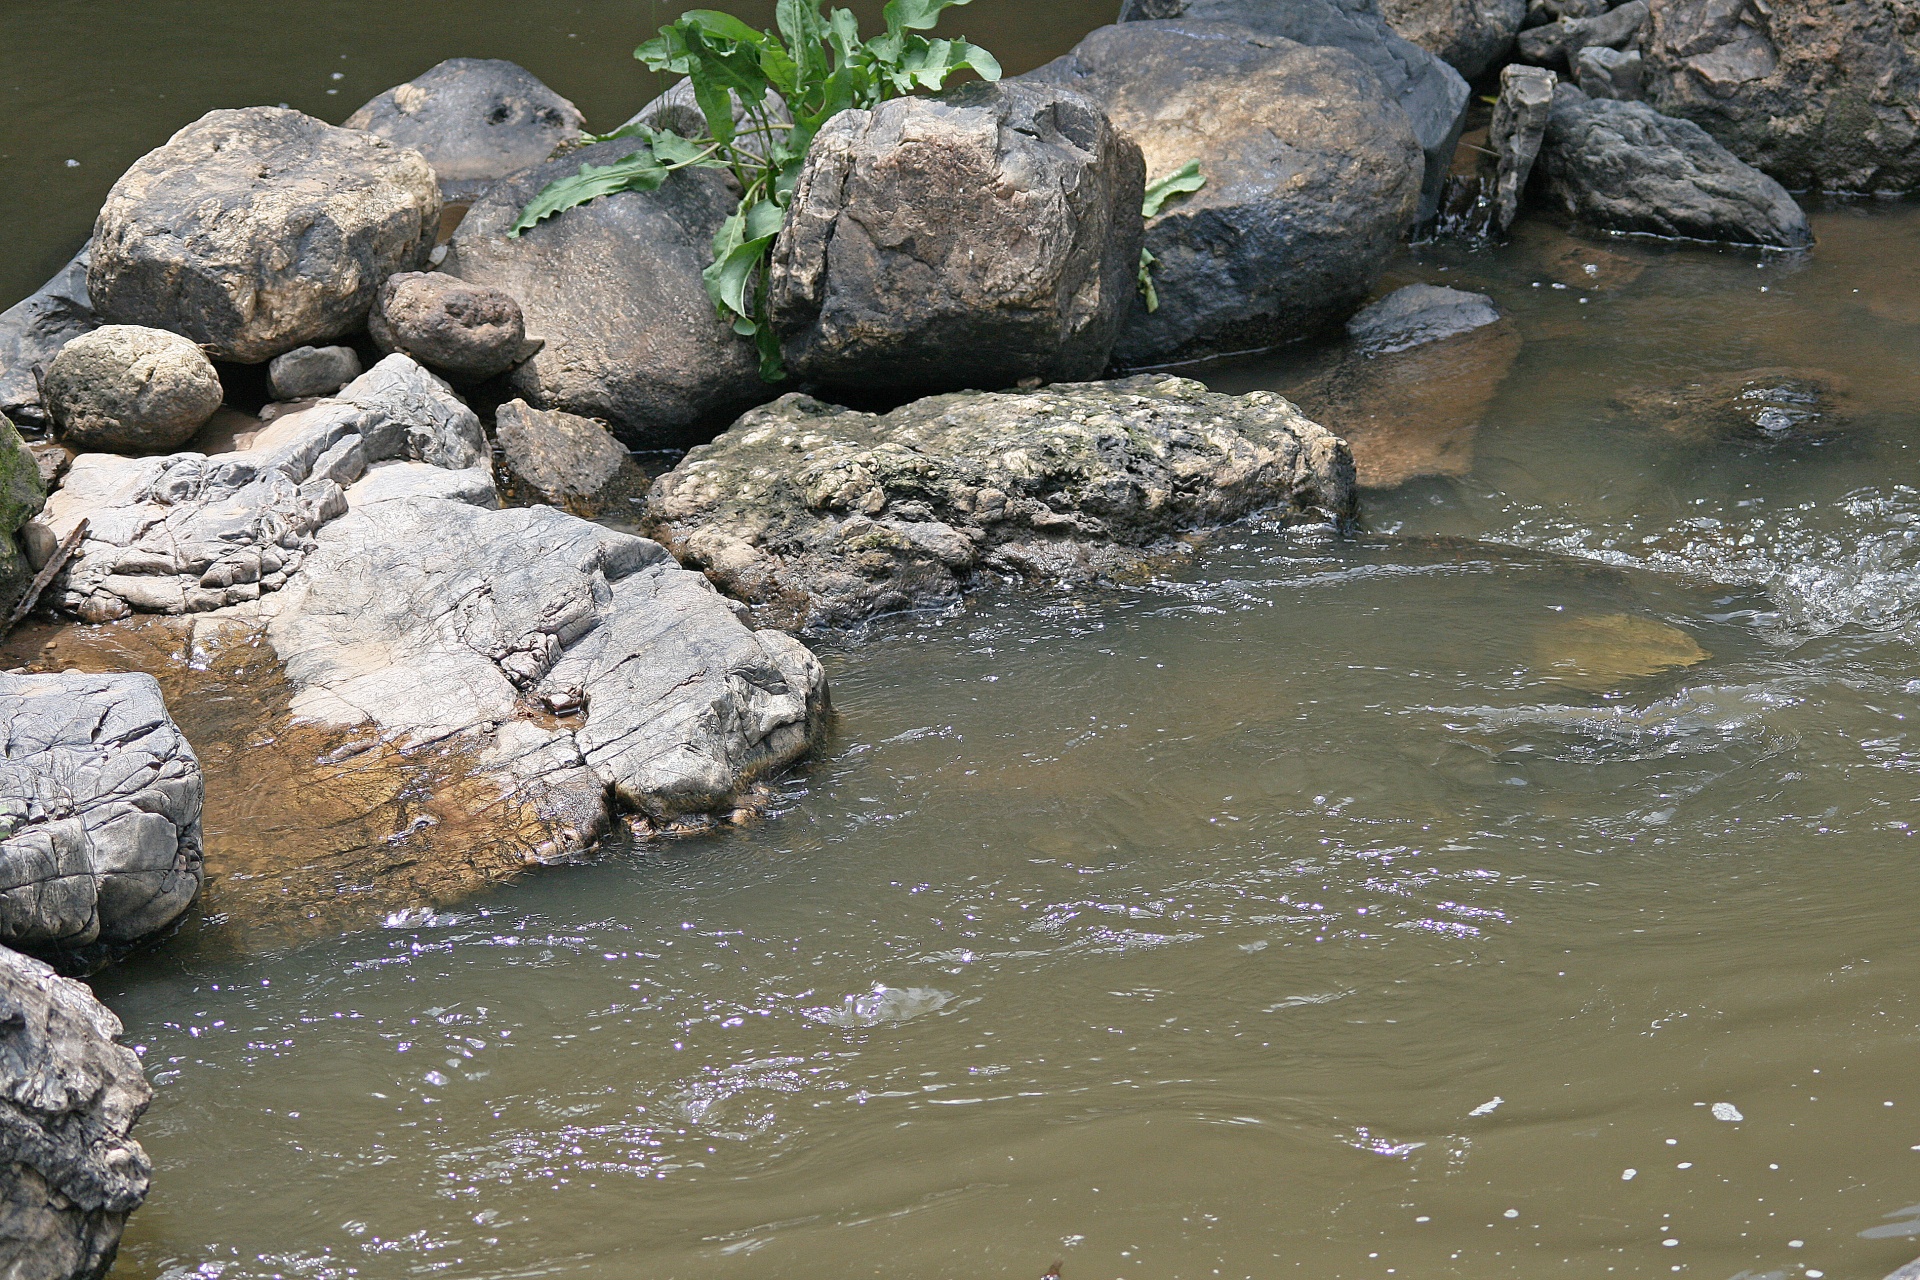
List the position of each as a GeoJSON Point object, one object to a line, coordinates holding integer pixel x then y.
{"type": "Point", "coordinates": [22, 494]}
{"type": "Point", "coordinates": [824, 516]}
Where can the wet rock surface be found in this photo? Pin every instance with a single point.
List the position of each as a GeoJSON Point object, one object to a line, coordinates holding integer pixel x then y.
{"type": "Point", "coordinates": [127, 389]}
{"type": "Point", "coordinates": [1622, 166]}
{"type": "Point", "coordinates": [893, 271]}
{"type": "Point", "coordinates": [1759, 406]}
{"type": "Point", "coordinates": [1418, 314]}
{"type": "Point", "coordinates": [567, 461]}
{"type": "Point", "coordinates": [33, 330]}
{"type": "Point", "coordinates": [256, 231]}
{"type": "Point", "coordinates": [458, 329]}
{"type": "Point", "coordinates": [613, 288]}
{"type": "Point", "coordinates": [99, 812]}
{"type": "Point", "coordinates": [476, 120]}
{"type": "Point", "coordinates": [822, 516]}
{"type": "Point", "coordinates": [1312, 180]}
{"type": "Point", "coordinates": [306, 373]}
{"type": "Point", "coordinates": [1470, 36]}
{"type": "Point", "coordinates": [70, 1170]}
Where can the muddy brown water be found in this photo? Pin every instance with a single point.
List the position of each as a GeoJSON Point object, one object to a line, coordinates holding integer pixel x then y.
{"type": "Point", "coordinates": [1521, 888]}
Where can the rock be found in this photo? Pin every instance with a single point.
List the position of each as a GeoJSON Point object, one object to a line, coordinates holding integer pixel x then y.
{"type": "Point", "coordinates": [69, 1097]}
{"type": "Point", "coordinates": [184, 532]}
{"type": "Point", "coordinates": [1312, 180]}
{"type": "Point", "coordinates": [1622, 166]}
{"type": "Point", "coordinates": [23, 490]}
{"type": "Point", "coordinates": [127, 389]}
{"type": "Point", "coordinates": [1600, 653]}
{"type": "Point", "coordinates": [568, 461]}
{"type": "Point", "coordinates": [1432, 93]}
{"type": "Point", "coordinates": [33, 330]}
{"type": "Point", "coordinates": [1610, 73]}
{"type": "Point", "coordinates": [308, 372]}
{"type": "Point", "coordinates": [892, 271]}
{"type": "Point", "coordinates": [822, 516]}
{"type": "Point", "coordinates": [1558, 44]}
{"type": "Point", "coordinates": [260, 230]}
{"type": "Point", "coordinates": [1909, 1272]}
{"type": "Point", "coordinates": [476, 120]}
{"type": "Point", "coordinates": [1519, 125]}
{"type": "Point", "coordinates": [461, 330]}
{"type": "Point", "coordinates": [1763, 406]}
{"type": "Point", "coordinates": [1817, 95]}
{"type": "Point", "coordinates": [99, 812]}
{"type": "Point", "coordinates": [678, 111]}
{"type": "Point", "coordinates": [1470, 36]}
{"type": "Point", "coordinates": [434, 621]}
{"type": "Point", "coordinates": [1541, 12]}
{"type": "Point", "coordinates": [1418, 314]}
{"type": "Point", "coordinates": [613, 288]}
{"type": "Point", "coordinates": [51, 461]}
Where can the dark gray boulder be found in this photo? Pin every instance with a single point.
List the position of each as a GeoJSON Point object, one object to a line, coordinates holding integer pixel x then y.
{"type": "Point", "coordinates": [613, 289]}
{"type": "Point", "coordinates": [896, 270]}
{"type": "Point", "coordinates": [256, 231]}
{"type": "Point", "coordinates": [1816, 94]}
{"type": "Point", "coordinates": [462, 330]}
{"type": "Point", "coordinates": [822, 517]}
{"type": "Point", "coordinates": [306, 373]}
{"type": "Point", "coordinates": [567, 461]}
{"type": "Point", "coordinates": [127, 389]}
{"type": "Point", "coordinates": [1313, 178]}
{"type": "Point", "coordinates": [1471, 36]}
{"type": "Point", "coordinates": [476, 120]}
{"type": "Point", "coordinates": [1622, 166]}
{"type": "Point", "coordinates": [1433, 94]}
{"type": "Point", "coordinates": [33, 330]}
{"type": "Point", "coordinates": [70, 1169]}
{"type": "Point", "coordinates": [99, 812]}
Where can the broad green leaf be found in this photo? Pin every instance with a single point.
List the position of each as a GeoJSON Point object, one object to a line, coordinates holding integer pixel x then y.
{"type": "Point", "coordinates": [638, 172]}
{"type": "Point", "coordinates": [915, 15]}
{"type": "Point", "coordinates": [843, 33]}
{"type": "Point", "coordinates": [1183, 181]}
{"type": "Point", "coordinates": [725, 26]}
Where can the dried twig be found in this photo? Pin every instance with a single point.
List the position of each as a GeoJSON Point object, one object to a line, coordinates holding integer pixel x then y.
{"type": "Point", "coordinates": [55, 562]}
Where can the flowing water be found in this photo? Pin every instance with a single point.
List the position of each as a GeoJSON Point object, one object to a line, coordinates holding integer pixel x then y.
{"type": "Point", "coordinates": [1522, 887]}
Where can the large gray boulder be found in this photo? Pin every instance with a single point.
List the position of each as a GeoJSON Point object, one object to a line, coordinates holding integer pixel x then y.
{"type": "Point", "coordinates": [1313, 178]}
{"type": "Point", "coordinates": [127, 389]}
{"type": "Point", "coordinates": [1622, 166]}
{"type": "Point", "coordinates": [1816, 94]}
{"type": "Point", "coordinates": [893, 271]}
{"type": "Point", "coordinates": [1470, 36]}
{"type": "Point", "coordinates": [33, 330]}
{"type": "Point", "coordinates": [476, 120]}
{"type": "Point", "coordinates": [1433, 94]}
{"type": "Point", "coordinates": [70, 1169]}
{"type": "Point", "coordinates": [99, 812]}
{"type": "Point", "coordinates": [613, 288]}
{"type": "Point", "coordinates": [256, 231]}
{"type": "Point", "coordinates": [822, 517]}
{"type": "Point", "coordinates": [23, 491]}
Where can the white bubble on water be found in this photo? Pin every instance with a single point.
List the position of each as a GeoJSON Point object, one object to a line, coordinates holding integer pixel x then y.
{"type": "Point", "coordinates": [1728, 1112]}
{"type": "Point", "coordinates": [1487, 1108]}
{"type": "Point", "coordinates": [1628, 1175]}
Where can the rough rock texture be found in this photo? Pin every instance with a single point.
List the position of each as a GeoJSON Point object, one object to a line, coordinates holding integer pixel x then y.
{"type": "Point", "coordinates": [462, 330]}
{"type": "Point", "coordinates": [1814, 93]}
{"type": "Point", "coordinates": [678, 111]}
{"type": "Point", "coordinates": [186, 532]}
{"type": "Point", "coordinates": [1760, 406]}
{"type": "Point", "coordinates": [306, 373]}
{"type": "Point", "coordinates": [434, 619]}
{"type": "Point", "coordinates": [260, 230]}
{"type": "Point", "coordinates": [476, 120]}
{"type": "Point", "coordinates": [99, 811]}
{"type": "Point", "coordinates": [69, 1096]}
{"type": "Point", "coordinates": [1433, 94]}
{"type": "Point", "coordinates": [23, 490]}
{"type": "Point", "coordinates": [1519, 126]}
{"type": "Point", "coordinates": [1419, 314]}
{"type": "Point", "coordinates": [33, 330]}
{"type": "Point", "coordinates": [1610, 73]}
{"type": "Point", "coordinates": [567, 461]}
{"type": "Point", "coordinates": [127, 389]}
{"type": "Point", "coordinates": [613, 288]}
{"type": "Point", "coordinates": [1468, 35]}
{"type": "Point", "coordinates": [1312, 180]}
{"type": "Point", "coordinates": [824, 516]}
{"type": "Point", "coordinates": [893, 271]}
{"type": "Point", "coordinates": [1622, 166]}
{"type": "Point", "coordinates": [1558, 44]}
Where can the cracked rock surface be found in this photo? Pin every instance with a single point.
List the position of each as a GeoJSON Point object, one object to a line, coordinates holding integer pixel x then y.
{"type": "Point", "coordinates": [99, 811]}
{"type": "Point", "coordinates": [824, 516]}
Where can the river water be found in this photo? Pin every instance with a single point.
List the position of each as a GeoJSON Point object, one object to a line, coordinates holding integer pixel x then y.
{"type": "Point", "coordinates": [1519, 888]}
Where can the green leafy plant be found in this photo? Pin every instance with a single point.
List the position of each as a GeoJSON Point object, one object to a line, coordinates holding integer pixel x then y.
{"type": "Point", "coordinates": [1185, 180]}
{"type": "Point", "coordinates": [814, 66]}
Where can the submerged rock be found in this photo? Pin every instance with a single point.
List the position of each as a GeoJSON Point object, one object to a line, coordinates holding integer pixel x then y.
{"type": "Point", "coordinates": [893, 271]}
{"type": "Point", "coordinates": [1312, 180]}
{"type": "Point", "coordinates": [1622, 166]}
{"type": "Point", "coordinates": [306, 373]}
{"type": "Point", "coordinates": [823, 516]}
{"type": "Point", "coordinates": [1419, 314]}
{"type": "Point", "coordinates": [461, 330]}
{"type": "Point", "coordinates": [1599, 653]}
{"type": "Point", "coordinates": [33, 330]}
{"type": "Point", "coordinates": [570, 462]}
{"type": "Point", "coordinates": [1470, 36]}
{"type": "Point", "coordinates": [256, 231]}
{"type": "Point", "coordinates": [99, 812]}
{"type": "Point", "coordinates": [126, 389]}
{"type": "Point", "coordinates": [69, 1096]}
{"type": "Point", "coordinates": [1769, 406]}
{"type": "Point", "coordinates": [476, 120]}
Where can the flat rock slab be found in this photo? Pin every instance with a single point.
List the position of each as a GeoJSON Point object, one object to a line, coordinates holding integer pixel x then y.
{"type": "Point", "coordinates": [823, 516]}
{"type": "Point", "coordinates": [99, 811]}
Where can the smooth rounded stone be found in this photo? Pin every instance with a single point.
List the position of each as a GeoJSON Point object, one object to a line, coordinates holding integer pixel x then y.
{"type": "Point", "coordinates": [613, 289]}
{"type": "Point", "coordinates": [892, 272]}
{"type": "Point", "coordinates": [260, 230]}
{"type": "Point", "coordinates": [70, 1168]}
{"type": "Point", "coordinates": [99, 812]}
{"type": "Point", "coordinates": [1610, 73]}
{"type": "Point", "coordinates": [185, 532]}
{"type": "Point", "coordinates": [1433, 94]}
{"type": "Point", "coordinates": [1559, 44]}
{"type": "Point", "coordinates": [1817, 95]}
{"type": "Point", "coordinates": [1471, 36]}
{"type": "Point", "coordinates": [1313, 178]}
{"type": "Point", "coordinates": [1759, 406]}
{"type": "Point", "coordinates": [33, 330]}
{"type": "Point", "coordinates": [462, 330]}
{"type": "Point", "coordinates": [1622, 166]}
{"type": "Point", "coordinates": [308, 372]}
{"type": "Point", "coordinates": [1417, 314]}
{"type": "Point", "coordinates": [23, 491]}
{"type": "Point", "coordinates": [822, 517]}
{"type": "Point", "coordinates": [476, 120]}
{"type": "Point", "coordinates": [127, 389]}
{"type": "Point", "coordinates": [567, 461]}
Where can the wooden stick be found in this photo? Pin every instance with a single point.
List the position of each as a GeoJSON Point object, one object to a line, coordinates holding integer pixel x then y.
{"type": "Point", "coordinates": [56, 562]}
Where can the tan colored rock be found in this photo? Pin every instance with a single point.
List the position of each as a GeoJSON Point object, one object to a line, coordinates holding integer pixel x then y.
{"type": "Point", "coordinates": [128, 389]}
